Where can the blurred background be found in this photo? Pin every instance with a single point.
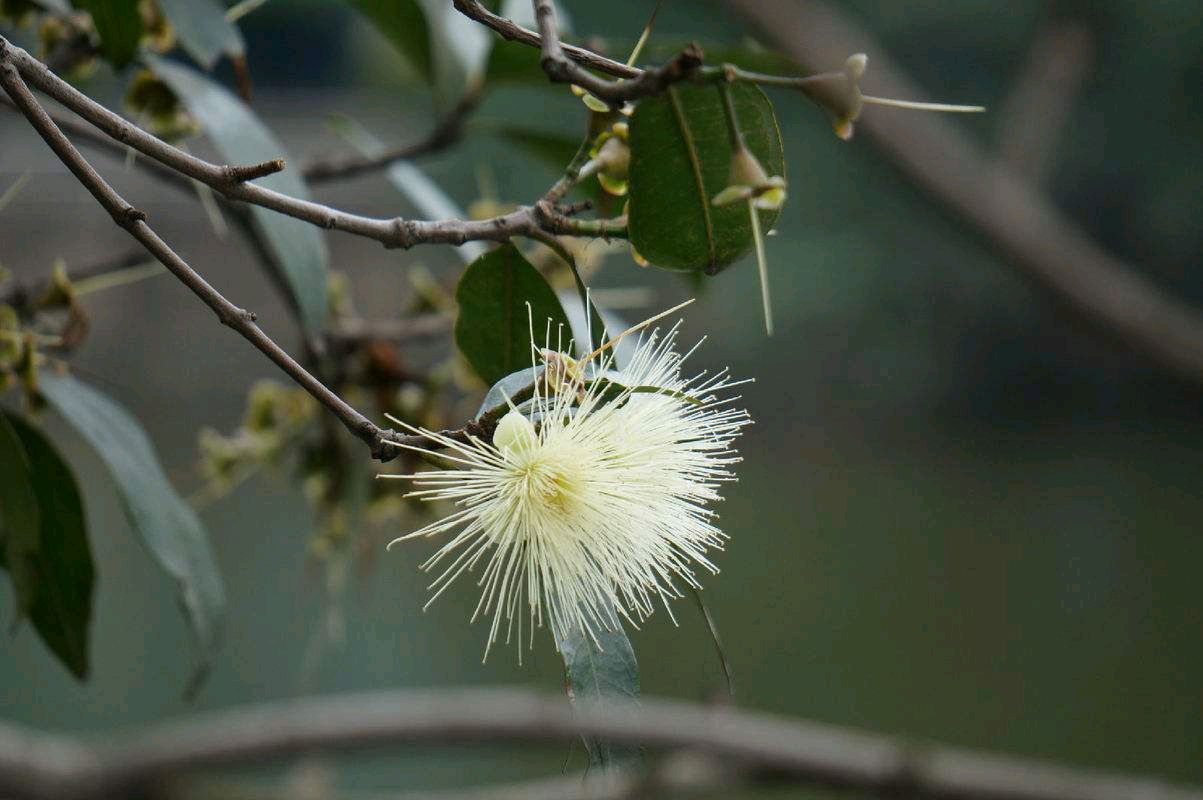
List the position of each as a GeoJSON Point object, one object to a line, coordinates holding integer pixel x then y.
{"type": "Point", "coordinates": [963, 515]}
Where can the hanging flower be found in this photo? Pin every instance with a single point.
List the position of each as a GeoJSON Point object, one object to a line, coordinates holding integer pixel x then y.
{"type": "Point", "coordinates": [591, 501]}
{"type": "Point", "coordinates": [840, 94]}
{"type": "Point", "coordinates": [747, 180]}
{"type": "Point", "coordinates": [612, 153]}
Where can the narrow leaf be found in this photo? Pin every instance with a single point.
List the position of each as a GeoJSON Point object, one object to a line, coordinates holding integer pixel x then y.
{"type": "Point", "coordinates": [62, 598]}
{"type": "Point", "coordinates": [166, 524]}
{"type": "Point", "coordinates": [680, 157]}
{"type": "Point", "coordinates": [403, 23]}
{"type": "Point", "coordinates": [203, 30]}
{"type": "Point", "coordinates": [119, 26]}
{"type": "Point", "coordinates": [602, 673]}
{"type": "Point", "coordinates": [20, 519]}
{"type": "Point", "coordinates": [493, 330]}
{"type": "Point", "coordinates": [242, 138]}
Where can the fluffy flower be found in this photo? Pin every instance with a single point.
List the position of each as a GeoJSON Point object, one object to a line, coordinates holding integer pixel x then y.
{"type": "Point", "coordinates": [592, 499]}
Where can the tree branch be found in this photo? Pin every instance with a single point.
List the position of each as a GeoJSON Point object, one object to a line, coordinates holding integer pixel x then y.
{"type": "Point", "coordinates": [563, 69]}
{"type": "Point", "coordinates": [511, 31]}
{"type": "Point", "coordinates": [380, 441]}
{"type": "Point", "coordinates": [34, 766]}
{"type": "Point", "coordinates": [232, 181]}
{"type": "Point", "coordinates": [1022, 222]}
{"type": "Point", "coordinates": [448, 131]}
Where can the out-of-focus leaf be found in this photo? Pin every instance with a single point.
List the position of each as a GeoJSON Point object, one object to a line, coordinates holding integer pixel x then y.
{"type": "Point", "coordinates": [166, 524]}
{"type": "Point", "coordinates": [20, 520]}
{"type": "Point", "coordinates": [119, 26]}
{"type": "Point", "coordinates": [459, 49]}
{"type": "Point", "coordinates": [64, 576]}
{"type": "Point", "coordinates": [555, 150]}
{"type": "Point", "coordinates": [57, 6]}
{"type": "Point", "coordinates": [242, 138]}
{"type": "Point", "coordinates": [680, 156]}
{"type": "Point", "coordinates": [515, 62]}
{"type": "Point", "coordinates": [493, 330]}
{"type": "Point", "coordinates": [203, 29]}
{"type": "Point", "coordinates": [426, 196]}
{"type": "Point", "coordinates": [404, 24]}
{"type": "Point", "coordinates": [602, 673]}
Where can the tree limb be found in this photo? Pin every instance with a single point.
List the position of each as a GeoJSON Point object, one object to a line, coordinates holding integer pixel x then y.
{"type": "Point", "coordinates": [448, 131]}
{"type": "Point", "coordinates": [35, 766]}
{"type": "Point", "coordinates": [561, 68]}
{"type": "Point", "coordinates": [511, 31]}
{"type": "Point", "coordinates": [1022, 222]}
{"type": "Point", "coordinates": [232, 181]}
{"type": "Point", "coordinates": [380, 441]}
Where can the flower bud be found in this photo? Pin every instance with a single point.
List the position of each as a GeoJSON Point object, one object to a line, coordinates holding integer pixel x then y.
{"type": "Point", "coordinates": [515, 434]}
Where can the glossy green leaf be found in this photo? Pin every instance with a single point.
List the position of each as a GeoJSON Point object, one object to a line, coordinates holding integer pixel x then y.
{"type": "Point", "coordinates": [166, 524]}
{"type": "Point", "coordinates": [203, 30]}
{"type": "Point", "coordinates": [119, 25]}
{"type": "Point", "coordinates": [493, 328]}
{"type": "Point", "coordinates": [61, 607]}
{"type": "Point", "coordinates": [403, 23]}
{"type": "Point", "coordinates": [242, 138]}
{"type": "Point", "coordinates": [603, 673]}
{"type": "Point", "coordinates": [680, 155]}
{"type": "Point", "coordinates": [20, 520]}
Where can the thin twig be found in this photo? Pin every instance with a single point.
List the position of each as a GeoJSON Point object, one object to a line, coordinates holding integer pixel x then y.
{"type": "Point", "coordinates": [509, 30]}
{"type": "Point", "coordinates": [447, 132]}
{"type": "Point", "coordinates": [231, 181]}
{"type": "Point", "coordinates": [562, 68]}
{"type": "Point", "coordinates": [36, 766]}
{"type": "Point", "coordinates": [379, 440]}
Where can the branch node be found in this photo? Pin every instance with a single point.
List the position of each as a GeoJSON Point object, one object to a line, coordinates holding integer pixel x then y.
{"type": "Point", "coordinates": [127, 215]}
{"type": "Point", "coordinates": [240, 173]}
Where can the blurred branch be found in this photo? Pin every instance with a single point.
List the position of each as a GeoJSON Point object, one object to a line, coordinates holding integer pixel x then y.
{"type": "Point", "coordinates": [417, 327]}
{"type": "Point", "coordinates": [36, 765]}
{"type": "Point", "coordinates": [1022, 222]}
{"type": "Point", "coordinates": [380, 441]}
{"type": "Point", "coordinates": [1042, 98]}
{"type": "Point", "coordinates": [448, 131]}
{"type": "Point", "coordinates": [22, 295]}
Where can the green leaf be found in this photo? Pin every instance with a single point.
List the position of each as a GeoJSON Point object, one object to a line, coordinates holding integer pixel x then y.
{"type": "Point", "coordinates": [166, 524]}
{"type": "Point", "coordinates": [680, 155]}
{"type": "Point", "coordinates": [602, 673]}
{"type": "Point", "coordinates": [62, 597]}
{"type": "Point", "coordinates": [493, 329]}
{"type": "Point", "coordinates": [242, 138]}
{"type": "Point", "coordinates": [119, 25]}
{"type": "Point", "coordinates": [20, 519]}
{"type": "Point", "coordinates": [403, 23]}
{"type": "Point", "coordinates": [203, 30]}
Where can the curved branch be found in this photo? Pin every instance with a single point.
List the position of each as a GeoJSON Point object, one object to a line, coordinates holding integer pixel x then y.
{"type": "Point", "coordinates": [824, 755]}
{"type": "Point", "coordinates": [511, 31]}
{"type": "Point", "coordinates": [448, 131]}
{"type": "Point", "coordinates": [383, 443]}
{"type": "Point", "coordinates": [1021, 221]}
{"type": "Point", "coordinates": [232, 182]}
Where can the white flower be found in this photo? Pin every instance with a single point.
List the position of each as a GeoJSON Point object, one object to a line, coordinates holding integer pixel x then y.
{"type": "Point", "coordinates": [592, 499]}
